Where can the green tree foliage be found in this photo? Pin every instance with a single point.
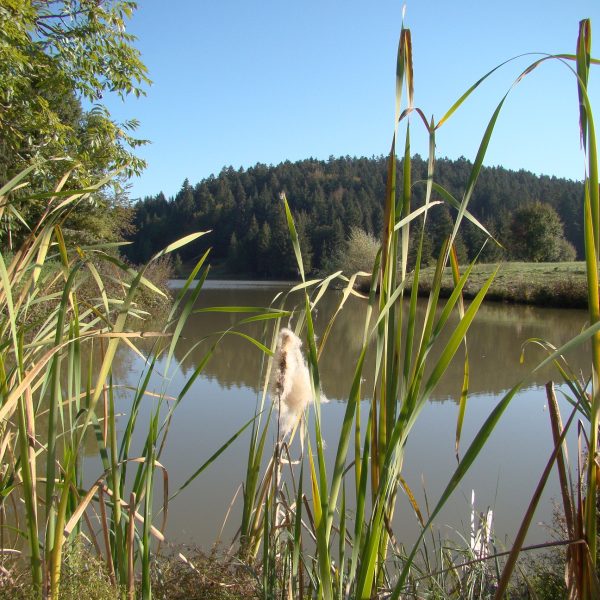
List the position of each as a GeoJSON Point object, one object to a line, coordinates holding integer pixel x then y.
{"type": "Point", "coordinates": [329, 200]}
{"type": "Point", "coordinates": [263, 247]}
{"type": "Point", "coordinates": [233, 255]}
{"type": "Point", "coordinates": [537, 235]}
{"type": "Point", "coordinates": [439, 227]}
{"type": "Point", "coordinates": [54, 55]}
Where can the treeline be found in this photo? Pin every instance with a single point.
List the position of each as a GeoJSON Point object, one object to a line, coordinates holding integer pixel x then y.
{"type": "Point", "coordinates": [330, 198]}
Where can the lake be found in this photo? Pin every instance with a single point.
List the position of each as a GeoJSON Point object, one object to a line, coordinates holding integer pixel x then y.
{"type": "Point", "coordinates": [224, 397]}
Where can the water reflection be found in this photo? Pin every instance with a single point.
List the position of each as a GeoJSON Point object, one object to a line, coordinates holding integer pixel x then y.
{"type": "Point", "coordinates": [224, 397]}
{"type": "Point", "coordinates": [494, 341]}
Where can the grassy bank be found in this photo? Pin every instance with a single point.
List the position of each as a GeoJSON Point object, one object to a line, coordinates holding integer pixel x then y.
{"type": "Point", "coordinates": [181, 573]}
{"type": "Point", "coordinates": [561, 285]}
{"type": "Point", "coordinates": [557, 284]}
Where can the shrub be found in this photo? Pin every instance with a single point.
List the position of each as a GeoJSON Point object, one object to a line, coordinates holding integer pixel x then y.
{"type": "Point", "coordinates": [356, 254]}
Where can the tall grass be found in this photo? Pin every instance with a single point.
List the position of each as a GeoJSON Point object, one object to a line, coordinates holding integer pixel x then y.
{"type": "Point", "coordinates": [42, 374]}
{"type": "Point", "coordinates": [310, 547]}
{"type": "Point", "coordinates": [60, 329]}
{"type": "Point", "coordinates": [580, 503]}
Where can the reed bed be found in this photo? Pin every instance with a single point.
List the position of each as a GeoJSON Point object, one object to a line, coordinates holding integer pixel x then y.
{"type": "Point", "coordinates": [60, 329]}
{"type": "Point", "coordinates": [329, 533]}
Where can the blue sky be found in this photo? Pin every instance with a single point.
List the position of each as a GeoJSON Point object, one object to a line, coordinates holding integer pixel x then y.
{"type": "Point", "coordinates": [238, 82]}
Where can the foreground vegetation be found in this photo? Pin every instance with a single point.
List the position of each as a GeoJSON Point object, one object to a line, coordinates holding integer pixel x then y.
{"type": "Point", "coordinates": [307, 530]}
{"type": "Point", "coordinates": [174, 576]}
{"type": "Point", "coordinates": [357, 554]}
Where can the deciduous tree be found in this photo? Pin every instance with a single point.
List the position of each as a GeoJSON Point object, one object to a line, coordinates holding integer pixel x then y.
{"type": "Point", "coordinates": [54, 56]}
{"type": "Point", "coordinates": [537, 235]}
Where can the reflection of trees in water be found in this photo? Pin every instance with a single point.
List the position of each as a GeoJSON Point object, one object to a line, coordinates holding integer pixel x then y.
{"type": "Point", "coordinates": [494, 341]}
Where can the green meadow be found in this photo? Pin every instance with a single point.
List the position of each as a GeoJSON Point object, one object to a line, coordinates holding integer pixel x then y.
{"type": "Point", "coordinates": [562, 284]}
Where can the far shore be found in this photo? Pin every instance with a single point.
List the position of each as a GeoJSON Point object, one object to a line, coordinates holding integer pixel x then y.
{"type": "Point", "coordinates": [234, 283]}
{"type": "Point", "coordinates": [557, 285]}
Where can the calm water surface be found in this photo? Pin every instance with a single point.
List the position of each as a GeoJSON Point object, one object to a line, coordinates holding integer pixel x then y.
{"type": "Point", "coordinates": [225, 396]}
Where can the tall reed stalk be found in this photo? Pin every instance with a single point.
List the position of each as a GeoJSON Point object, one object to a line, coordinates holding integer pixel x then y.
{"type": "Point", "coordinates": [401, 389]}
{"type": "Point", "coordinates": [592, 252]}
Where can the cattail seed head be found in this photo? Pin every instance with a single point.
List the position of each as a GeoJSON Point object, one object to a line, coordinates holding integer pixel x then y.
{"type": "Point", "coordinates": [290, 383]}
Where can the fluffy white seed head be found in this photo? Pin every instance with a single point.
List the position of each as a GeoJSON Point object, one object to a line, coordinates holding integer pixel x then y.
{"type": "Point", "coordinates": [290, 384]}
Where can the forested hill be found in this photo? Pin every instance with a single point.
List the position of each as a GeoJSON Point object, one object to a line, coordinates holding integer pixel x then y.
{"type": "Point", "coordinates": [328, 198]}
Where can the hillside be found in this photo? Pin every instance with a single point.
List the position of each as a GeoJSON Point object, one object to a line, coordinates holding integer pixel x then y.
{"type": "Point", "coordinates": [249, 234]}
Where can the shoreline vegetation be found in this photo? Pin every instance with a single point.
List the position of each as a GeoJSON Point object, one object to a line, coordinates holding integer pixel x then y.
{"type": "Point", "coordinates": [557, 285]}
{"type": "Point", "coordinates": [552, 284]}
